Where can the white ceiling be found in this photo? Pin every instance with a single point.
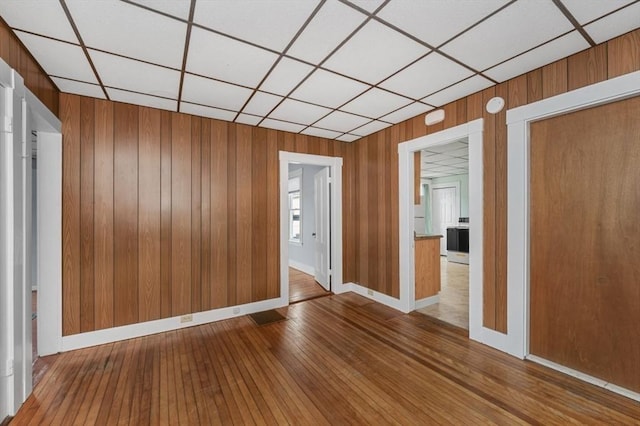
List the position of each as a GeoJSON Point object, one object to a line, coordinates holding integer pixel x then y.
{"type": "Point", "coordinates": [340, 69]}
{"type": "Point", "coordinates": [445, 160]}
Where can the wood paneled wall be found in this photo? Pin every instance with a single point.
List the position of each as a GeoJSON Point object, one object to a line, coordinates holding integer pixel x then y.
{"type": "Point", "coordinates": [166, 214]}
{"type": "Point", "coordinates": [16, 55]}
{"type": "Point", "coordinates": [374, 221]}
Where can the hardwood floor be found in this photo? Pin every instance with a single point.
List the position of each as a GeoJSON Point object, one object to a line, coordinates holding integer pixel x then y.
{"type": "Point", "coordinates": [335, 360]}
{"type": "Point", "coordinates": [453, 306]}
{"type": "Point", "coordinates": [303, 287]}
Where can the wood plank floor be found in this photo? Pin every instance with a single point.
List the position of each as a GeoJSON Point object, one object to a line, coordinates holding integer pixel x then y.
{"type": "Point", "coordinates": [335, 360]}
{"type": "Point", "coordinates": [303, 287]}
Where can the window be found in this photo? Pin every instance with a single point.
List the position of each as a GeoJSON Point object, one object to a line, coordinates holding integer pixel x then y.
{"type": "Point", "coordinates": [295, 206]}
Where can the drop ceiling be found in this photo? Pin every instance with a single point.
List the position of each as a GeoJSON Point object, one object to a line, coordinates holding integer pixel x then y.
{"type": "Point", "coordinates": [332, 68]}
{"type": "Point", "coordinates": [450, 159]}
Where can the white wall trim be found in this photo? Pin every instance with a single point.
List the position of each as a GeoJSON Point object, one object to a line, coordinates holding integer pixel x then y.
{"type": "Point", "coordinates": [307, 269]}
{"type": "Point", "coordinates": [49, 217]}
{"type": "Point", "coordinates": [385, 299]}
{"type": "Point", "coordinates": [109, 335]}
{"type": "Point", "coordinates": [427, 301]}
{"type": "Point", "coordinates": [518, 121]}
{"type": "Point", "coordinates": [335, 167]}
{"type": "Point", "coordinates": [585, 377]}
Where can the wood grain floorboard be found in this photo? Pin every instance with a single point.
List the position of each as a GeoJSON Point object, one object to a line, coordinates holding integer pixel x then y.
{"type": "Point", "coordinates": [336, 360]}
{"type": "Point", "coordinates": [303, 287]}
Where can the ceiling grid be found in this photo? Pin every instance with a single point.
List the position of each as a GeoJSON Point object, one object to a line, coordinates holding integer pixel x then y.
{"type": "Point", "coordinates": [339, 69]}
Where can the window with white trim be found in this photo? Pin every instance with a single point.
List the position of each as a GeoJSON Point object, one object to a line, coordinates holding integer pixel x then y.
{"type": "Point", "coordinates": [295, 206]}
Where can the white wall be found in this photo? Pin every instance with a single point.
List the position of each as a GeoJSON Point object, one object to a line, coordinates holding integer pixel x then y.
{"type": "Point", "coordinates": [463, 180]}
{"type": "Point", "coordinates": [302, 256]}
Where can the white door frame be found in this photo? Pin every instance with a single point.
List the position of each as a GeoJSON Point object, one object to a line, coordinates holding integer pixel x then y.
{"type": "Point", "coordinates": [474, 131]}
{"type": "Point", "coordinates": [24, 112]}
{"type": "Point", "coordinates": [335, 170]}
{"type": "Point", "coordinates": [518, 122]}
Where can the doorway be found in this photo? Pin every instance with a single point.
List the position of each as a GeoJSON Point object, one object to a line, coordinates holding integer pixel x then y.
{"type": "Point", "coordinates": [444, 175]}
{"type": "Point", "coordinates": [326, 245]}
{"type": "Point", "coordinates": [309, 237]}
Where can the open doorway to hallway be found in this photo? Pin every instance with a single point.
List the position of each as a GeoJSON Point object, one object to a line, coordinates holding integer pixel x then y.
{"type": "Point", "coordinates": [444, 211]}
{"type": "Point", "coordinates": [308, 233]}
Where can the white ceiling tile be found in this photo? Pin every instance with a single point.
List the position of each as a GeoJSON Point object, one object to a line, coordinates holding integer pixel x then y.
{"type": "Point", "coordinates": [78, 88]}
{"type": "Point", "coordinates": [450, 162]}
{"type": "Point", "coordinates": [449, 147]}
{"type": "Point", "coordinates": [342, 121]}
{"type": "Point", "coordinates": [407, 112]}
{"type": "Point", "coordinates": [426, 76]}
{"type": "Point", "coordinates": [368, 5]}
{"type": "Point", "coordinates": [213, 55]}
{"type": "Point", "coordinates": [331, 25]}
{"type": "Point", "coordinates": [282, 125]}
{"type": "Point", "coordinates": [177, 8]}
{"type": "Point", "coordinates": [204, 111]}
{"type": "Point", "coordinates": [285, 76]}
{"type": "Point", "coordinates": [348, 138]}
{"type": "Point", "coordinates": [112, 26]}
{"type": "Point", "coordinates": [374, 53]}
{"type": "Point", "coordinates": [437, 157]}
{"type": "Point", "coordinates": [459, 90]}
{"type": "Point", "coordinates": [139, 99]}
{"type": "Point", "coordinates": [270, 24]}
{"type": "Point", "coordinates": [58, 58]}
{"type": "Point", "coordinates": [587, 10]}
{"type": "Point", "coordinates": [372, 127]}
{"type": "Point", "coordinates": [515, 29]}
{"type": "Point", "coordinates": [128, 74]}
{"type": "Point", "coordinates": [557, 49]}
{"type": "Point", "coordinates": [321, 133]}
{"type": "Point", "coordinates": [299, 112]}
{"type": "Point", "coordinates": [375, 103]}
{"type": "Point", "coordinates": [213, 93]}
{"type": "Point", "coordinates": [262, 103]}
{"type": "Point", "coordinates": [40, 17]}
{"type": "Point", "coordinates": [251, 120]}
{"type": "Point", "coordinates": [328, 89]}
{"type": "Point", "coordinates": [615, 24]}
{"type": "Point", "coordinates": [436, 21]}
{"type": "Point", "coordinates": [459, 152]}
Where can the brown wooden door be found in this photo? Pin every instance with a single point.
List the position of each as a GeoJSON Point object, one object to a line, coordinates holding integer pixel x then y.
{"type": "Point", "coordinates": [585, 241]}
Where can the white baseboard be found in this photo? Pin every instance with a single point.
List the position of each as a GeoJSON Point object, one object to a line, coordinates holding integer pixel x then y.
{"type": "Point", "coordinates": [100, 337]}
{"type": "Point", "coordinates": [427, 301]}
{"type": "Point", "coordinates": [302, 267]}
{"type": "Point", "coordinates": [585, 377]}
{"type": "Point", "coordinates": [385, 299]}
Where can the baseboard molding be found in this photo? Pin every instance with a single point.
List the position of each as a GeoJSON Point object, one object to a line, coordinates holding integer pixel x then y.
{"type": "Point", "coordinates": [427, 301]}
{"type": "Point", "coordinates": [100, 337]}
{"type": "Point", "coordinates": [585, 377]}
{"type": "Point", "coordinates": [302, 267]}
{"type": "Point", "coordinates": [385, 299]}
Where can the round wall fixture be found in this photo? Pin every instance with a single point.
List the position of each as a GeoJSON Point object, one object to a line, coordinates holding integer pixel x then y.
{"type": "Point", "coordinates": [495, 105]}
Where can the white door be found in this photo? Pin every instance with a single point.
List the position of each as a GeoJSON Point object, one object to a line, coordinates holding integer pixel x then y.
{"type": "Point", "coordinates": [322, 233]}
{"type": "Point", "coordinates": [444, 213]}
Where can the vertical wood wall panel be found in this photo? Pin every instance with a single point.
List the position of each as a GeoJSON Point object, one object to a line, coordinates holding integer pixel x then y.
{"type": "Point", "coordinates": [196, 214]}
{"type": "Point", "coordinates": [87, 172]}
{"type": "Point", "coordinates": [180, 214]}
{"type": "Point", "coordinates": [103, 215]}
{"type": "Point", "coordinates": [244, 232]}
{"type": "Point", "coordinates": [259, 214]}
{"type": "Point", "coordinates": [500, 210]}
{"type": "Point", "coordinates": [273, 216]}
{"type": "Point", "coordinates": [206, 243]}
{"type": "Point", "coordinates": [234, 257]}
{"type": "Point", "coordinates": [125, 207]}
{"type": "Point", "coordinates": [149, 215]}
{"type": "Point", "coordinates": [70, 115]}
{"type": "Point", "coordinates": [219, 215]}
{"type": "Point", "coordinates": [166, 251]}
